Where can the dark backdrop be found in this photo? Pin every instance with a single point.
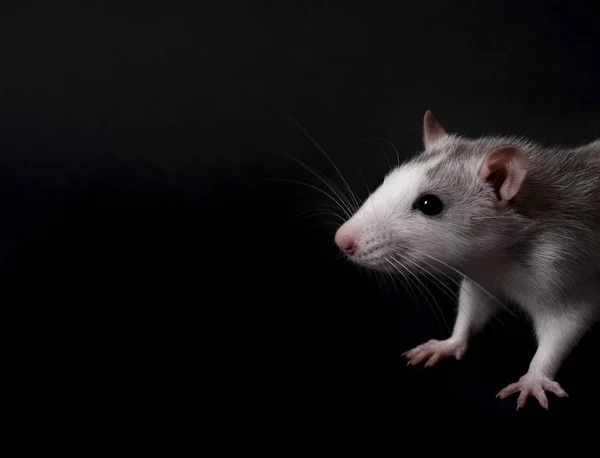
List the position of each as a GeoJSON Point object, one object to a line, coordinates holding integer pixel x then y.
{"type": "Point", "coordinates": [141, 229]}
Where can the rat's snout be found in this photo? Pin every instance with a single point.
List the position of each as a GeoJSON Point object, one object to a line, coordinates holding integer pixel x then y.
{"type": "Point", "coordinates": [346, 240]}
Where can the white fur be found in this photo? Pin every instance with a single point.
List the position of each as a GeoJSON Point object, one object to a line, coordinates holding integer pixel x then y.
{"type": "Point", "coordinates": [377, 219]}
{"type": "Point", "coordinates": [548, 268]}
{"type": "Point", "coordinates": [396, 195]}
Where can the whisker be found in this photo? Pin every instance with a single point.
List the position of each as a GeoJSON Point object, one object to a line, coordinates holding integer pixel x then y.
{"type": "Point", "coordinates": [407, 281]}
{"type": "Point", "coordinates": [322, 213]}
{"type": "Point", "coordinates": [452, 296]}
{"type": "Point", "coordinates": [484, 290]}
{"type": "Point", "coordinates": [314, 142]}
{"type": "Point", "coordinates": [408, 288]}
{"type": "Point", "coordinates": [322, 223]}
{"type": "Point", "coordinates": [434, 299]}
{"type": "Point", "coordinates": [387, 159]}
{"type": "Point", "coordinates": [364, 181]}
{"type": "Point", "coordinates": [395, 286]}
{"type": "Point", "coordinates": [338, 193]}
{"type": "Point", "coordinates": [316, 188]}
{"type": "Point", "coordinates": [432, 296]}
{"type": "Point", "coordinates": [379, 284]}
{"type": "Point", "coordinates": [385, 282]}
{"type": "Point", "coordinates": [327, 208]}
{"type": "Point", "coordinates": [393, 278]}
{"type": "Point", "coordinates": [386, 141]}
{"type": "Point", "coordinates": [462, 289]}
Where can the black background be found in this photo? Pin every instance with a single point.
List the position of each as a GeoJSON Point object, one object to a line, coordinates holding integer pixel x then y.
{"type": "Point", "coordinates": [141, 229]}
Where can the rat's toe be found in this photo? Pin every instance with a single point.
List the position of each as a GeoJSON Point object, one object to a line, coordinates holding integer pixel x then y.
{"type": "Point", "coordinates": [540, 395]}
{"type": "Point", "coordinates": [433, 360]}
{"type": "Point", "coordinates": [555, 388]}
{"type": "Point", "coordinates": [507, 391]}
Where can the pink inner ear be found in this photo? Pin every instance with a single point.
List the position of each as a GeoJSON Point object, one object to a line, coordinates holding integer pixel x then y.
{"type": "Point", "coordinates": [505, 169]}
{"type": "Point", "coordinates": [497, 179]}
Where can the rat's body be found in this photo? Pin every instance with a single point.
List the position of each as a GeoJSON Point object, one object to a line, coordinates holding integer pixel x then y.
{"type": "Point", "coordinates": [518, 221]}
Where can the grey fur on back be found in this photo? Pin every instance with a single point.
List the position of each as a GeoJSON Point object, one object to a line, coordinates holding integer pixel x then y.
{"type": "Point", "coordinates": [591, 152]}
{"type": "Point", "coordinates": [553, 225]}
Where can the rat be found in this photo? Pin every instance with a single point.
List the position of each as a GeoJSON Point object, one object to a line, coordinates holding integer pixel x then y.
{"type": "Point", "coordinates": [518, 222]}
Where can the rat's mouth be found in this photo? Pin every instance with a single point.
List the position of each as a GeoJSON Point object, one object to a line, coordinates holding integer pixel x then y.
{"type": "Point", "coordinates": [371, 249]}
{"type": "Point", "coordinates": [373, 256]}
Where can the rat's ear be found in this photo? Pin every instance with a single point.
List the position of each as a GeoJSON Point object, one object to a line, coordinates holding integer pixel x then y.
{"type": "Point", "coordinates": [432, 130]}
{"type": "Point", "coordinates": [505, 169]}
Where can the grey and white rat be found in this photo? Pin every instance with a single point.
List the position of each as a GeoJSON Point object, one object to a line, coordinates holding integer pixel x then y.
{"type": "Point", "coordinates": [519, 222]}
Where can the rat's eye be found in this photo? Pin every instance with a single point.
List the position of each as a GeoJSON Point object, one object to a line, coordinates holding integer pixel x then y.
{"type": "Point", "coordinates": [429, 204]}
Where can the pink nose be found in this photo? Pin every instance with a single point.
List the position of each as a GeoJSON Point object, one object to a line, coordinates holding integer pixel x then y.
{"type": "Point", "coordinates": [346, 243]}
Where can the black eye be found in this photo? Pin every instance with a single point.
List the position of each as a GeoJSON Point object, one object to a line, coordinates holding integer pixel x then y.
{"type": "Point", "coordinates": [429, 204]}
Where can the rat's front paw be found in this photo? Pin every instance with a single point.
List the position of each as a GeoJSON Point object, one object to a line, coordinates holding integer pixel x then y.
{"type": "Point", "coordinates": [533, 385]}
{"type": "Point", "coordinates": [436, 350]}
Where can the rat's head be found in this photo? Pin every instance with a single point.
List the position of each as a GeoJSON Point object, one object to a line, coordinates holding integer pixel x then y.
{"type": "Point", "coordinates": [447, 205]}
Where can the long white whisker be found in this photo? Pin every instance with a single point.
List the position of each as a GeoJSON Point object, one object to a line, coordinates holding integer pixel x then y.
{"type": "Point", "coordinates": [331, 207]}
{"type": "Point", "coordinates": [316, 188]}
{"type": "Point", "coordinates": [380, 287]}
{"type": "Point", "coordinates": [484, 290]}
{"type": "Point", "coordinates": [328, 208]}
{"type": "Point", "coordinates": [432, 296]}
{"type": "Point", "coordinates": [431, 276]}
{"type": "Point", "coordinates": [384, 280]}
{"type": "Point", "coordinates": [386, 141]}
{"type": "Point", "coordinates": [320, 211]}
{"type": "Point", "coordinates": [429, 293]}
{"type": "Point", "coordinates": [322, 223]}
{"type": "Point", "coordinates": [324, 213]}
{"type": "Point", "coordinates": [365, 182]}
{"type": "Point", "coordinates": [460, 288]}
{"type": "Point", "coordinates": [439, 283]}
{"type": "Point", "coordinates": [314, 142]}
{"type": "Point", "coordinates": [407, 282]}
{"type": "Point", "coordinates": [387, 159]}
{"type": "Point", "coordinates": [338, 193]}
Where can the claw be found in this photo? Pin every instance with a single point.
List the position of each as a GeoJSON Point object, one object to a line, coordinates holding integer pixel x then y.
{"type": "Point", "coordinates": [434, 351]}
{"type": "Point", "coordinates": [532, 385]}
